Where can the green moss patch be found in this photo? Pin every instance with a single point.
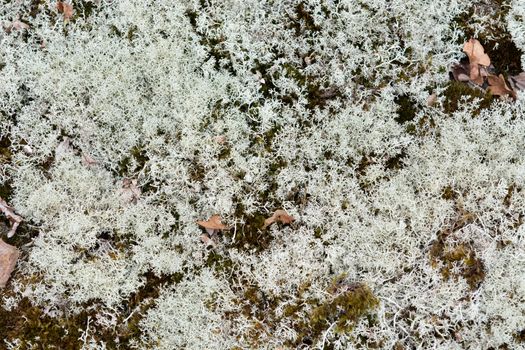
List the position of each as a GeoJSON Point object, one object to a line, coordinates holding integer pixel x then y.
{"type": "Point", "coordinates": [31, 325]}
{"type": "Point", "coordinates": [458, 93]}
{"type": "Point", "coordinates": [455, 259]}
{"type": "Point", "coordinates": [406, 110]}
{"type": "Point", "coordinates": [310, 318]}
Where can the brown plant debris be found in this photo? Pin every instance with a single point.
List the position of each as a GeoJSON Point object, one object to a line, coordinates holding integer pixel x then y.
{"type": "Point", "coordinates": [14, 219]}
{"type": "Point", "coordinates": [479, 73]}
{"type": "Point", "coordinates": [279, 215]}
{"type": "Point", "coordinates": [8, 258]}
{"type": "Point", "coordinates": [65, 9]}
{"type": "Point", "coordinates": [213, 225]}
{"type": "Point", "coordinates": [478, 60]}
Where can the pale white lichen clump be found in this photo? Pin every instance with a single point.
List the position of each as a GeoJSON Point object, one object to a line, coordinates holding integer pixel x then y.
{"type": "Point", "coordinates": [240, 108]}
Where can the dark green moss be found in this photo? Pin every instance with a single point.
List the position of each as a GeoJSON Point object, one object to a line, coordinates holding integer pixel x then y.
{"type": "Point", "coordinates": [132, 33]}
{"type": "Point", "coordinates": [211, 41]}
{"type": "Point", "coordinates": [30, 324]}
{"type": "Point", "coordinates": [5, 158]}
{"type": "Point", "coordinates": [35, 7]}
{"type": "Point", "coordinates": [85, 8]}
{"type": "Point", "coordinates": [456, 90]}
{"type": "Point", "coordinates": [249, 235]}
{"type": "Point", "coordinates": [142, 300]}
{"type": "Point", "coordinates": [224, 153]}
{"type": "Point", "coordinates": [396, 162]}
{"type": "Point", "coordinates": [302, 21]}
{"type": "Point", "coordinates": [133, 163]}
{"type": "Point", "coordinates": [406, 110]}
{"type": "Point", "coordinates": [520, 336]}
{"type": "Point", "coordinates": [318, 96]}
{"type": "Point", "coordinates": [220, 263]}
{"type": "Point", "coordinates": [276, 166]}
{"type": "Point", "coordinates": [350, 303]}
{"type": "Point", "coordinates": [298, 195]}
{"type": "Point", "coordinates": [318, 232]}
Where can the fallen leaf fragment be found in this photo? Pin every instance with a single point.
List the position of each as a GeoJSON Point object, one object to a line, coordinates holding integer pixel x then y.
{"type": "Point", "coordinates": [129, 192]}
{"type": "Point", "coordinates": [213, 224]}
{"type": "Point", "coordinates": [517, 82]}
{"type": "Point", "coordinates": [476, 53]}
{"type": "Point", "coordinates": [460, 72]}
{"type": "Point", "coordinates": [65, 9]}
{"type": "Point", "coordinates": [498, 86]}
{"type": "Point", "coordinates": [14, 219]}
{"type": "Point", "coordinates": [477, 56]}
{"type": "Point", "coordinates": [8, 258]}
{"type": "Point", "coordinates": [279, 216]}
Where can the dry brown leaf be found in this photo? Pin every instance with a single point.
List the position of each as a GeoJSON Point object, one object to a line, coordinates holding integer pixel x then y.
{"type": "Point", "coordinates": [279, 216]}
{"type": "Point", "coordinates": [14, 219]}
{"type": "Point", "coordinates": [498, 86]}
{"type": "Point", "coordinates": [475, 52]}
{"type": "Point", "coordinates": [65, 9]}
{"type": "Point", "coordinates": [460, 72]}
{"type": "Point", "coordinates": [8, 257]}
{"type": "Point", "coordinates": [517, 82]}
{"type": "Point", "coordinates": [213, 223]}
{"type": "Point", "coordinates": [477, 56]}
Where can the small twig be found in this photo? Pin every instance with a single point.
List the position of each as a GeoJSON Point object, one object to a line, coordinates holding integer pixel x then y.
{"type": "Point", "coordinates": [326, 334]}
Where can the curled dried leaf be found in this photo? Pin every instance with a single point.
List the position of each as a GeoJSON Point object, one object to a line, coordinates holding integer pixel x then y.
{"type": "Point", "coordinates": [477, 56]}
{"type": "Point", "coordinates": [8, 258]}
{"type": "Point", "coordinates": [279, 215]}
{"type": "Point", "coordinates": [476, 53]}
{"type": "Point", "coordinates": [517, 82]}
{"type": "Point", "coordinates": [498, 86]}
{"type": "Point", "coordinates": [213, 223]}
{"type": "Point", "coordinates": [9, 213]}
{"type": "Point", "coordinates": [460, 72]}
